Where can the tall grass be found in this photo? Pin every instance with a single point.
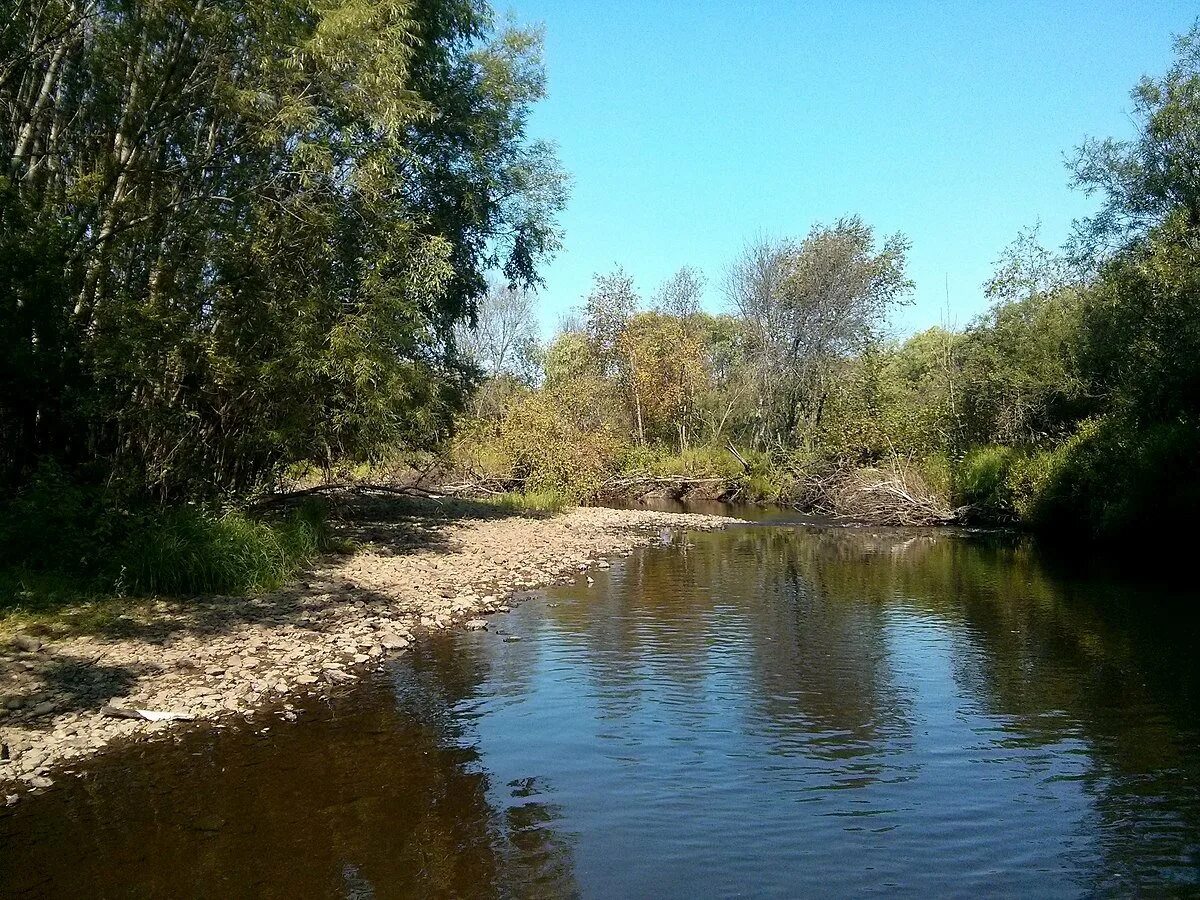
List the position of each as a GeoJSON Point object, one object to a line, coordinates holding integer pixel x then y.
{"type": "Point", "coordinates": [191, 550]}
{"type": "Point", "coordinates": [540, 502]}
{"type": "Point", "coordinates": [61, 542]}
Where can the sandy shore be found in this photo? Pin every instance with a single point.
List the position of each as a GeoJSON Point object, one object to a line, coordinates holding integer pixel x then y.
{"type": "Point", "coordinates": [67, 692]}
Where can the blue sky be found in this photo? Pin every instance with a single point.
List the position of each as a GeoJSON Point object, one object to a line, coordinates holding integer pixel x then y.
{"type": "Point", "coordinates": [688, 127]}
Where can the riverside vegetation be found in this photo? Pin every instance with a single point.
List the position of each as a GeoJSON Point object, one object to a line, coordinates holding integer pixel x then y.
{"type": "Point", "coordinates": [1072, 406]}
{"type": "Point", "coordinates": [240, 240]}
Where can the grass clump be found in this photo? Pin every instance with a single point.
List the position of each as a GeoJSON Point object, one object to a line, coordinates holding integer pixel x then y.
{"type": "Point", "coordinates": [63, 543]}
{"type": "Point", "coordinates": [546, 502]}
{"type": "Point", "coordinates": [196, 550]}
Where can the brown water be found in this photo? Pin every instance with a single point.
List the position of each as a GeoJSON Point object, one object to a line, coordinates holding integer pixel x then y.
{"type": "Point", "coordinates": [770, 711]}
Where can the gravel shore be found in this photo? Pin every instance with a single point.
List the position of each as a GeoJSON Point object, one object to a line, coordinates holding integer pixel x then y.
{"type": "Point", "coordinates": [67, 692]}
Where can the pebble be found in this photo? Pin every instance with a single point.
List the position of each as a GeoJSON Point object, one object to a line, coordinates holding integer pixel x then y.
{"type": "Point", "coordinates": [250, 655]}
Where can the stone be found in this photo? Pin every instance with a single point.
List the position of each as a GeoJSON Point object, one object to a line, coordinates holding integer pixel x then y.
{"type": "Point", "coordinates": [26, 643]}
{"type": "Point", "coordinates": [392, 641]}
{"type": "Point", "coordinates": [475, 624]}
{"type": "Point", "coordinates": [44, 708]}
{"type": "Point", "coordinates": [306, 679]}
{"type": "Point", "coordinates": [40, 782]}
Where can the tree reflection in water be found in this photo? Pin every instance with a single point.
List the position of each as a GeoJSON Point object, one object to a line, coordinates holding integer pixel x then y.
{"type": "Point", "coordinates": [774, 710]}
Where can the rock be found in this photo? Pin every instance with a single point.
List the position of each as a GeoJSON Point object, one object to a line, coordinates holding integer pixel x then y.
{"type": "Point", "coordinates": [146, 715]}
{"type": "Point", "coordinates": [44, 708]}
{"type": "Point", "coordinates": [40, 782]}
{"type": "Point", "coordinates": [250, 662]}
{"type": "Point", "coordinates": [306, 679]}
{"type": "Point", "coordinates": [26, 643]}
{"type": "Point", "coordinates": [14, 703]}
{"type": "Point", "coordinates": [11, 799]}
{"type": "Point", "coordinates": [392, 641]}
{"type": "Point", "coordinates": [475, 624]}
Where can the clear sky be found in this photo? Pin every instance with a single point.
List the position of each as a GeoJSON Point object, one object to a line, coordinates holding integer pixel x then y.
{"type": "Point", "coordinates": [690, 126]}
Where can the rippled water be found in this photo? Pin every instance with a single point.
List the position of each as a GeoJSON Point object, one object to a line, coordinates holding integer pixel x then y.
{"type": "Point", "coordinates": [769, 711]}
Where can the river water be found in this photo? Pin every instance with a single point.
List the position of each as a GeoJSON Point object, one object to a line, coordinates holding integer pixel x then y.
{"type": "Point", "coordinates": [779, 710]}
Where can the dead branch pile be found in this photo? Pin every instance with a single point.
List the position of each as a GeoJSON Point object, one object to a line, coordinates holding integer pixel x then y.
{"type": "Point", "coordinates": [876, 496]}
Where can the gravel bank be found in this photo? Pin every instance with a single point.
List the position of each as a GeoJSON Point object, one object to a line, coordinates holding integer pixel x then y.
{"type": "Point", "coordinates": [424, 566]}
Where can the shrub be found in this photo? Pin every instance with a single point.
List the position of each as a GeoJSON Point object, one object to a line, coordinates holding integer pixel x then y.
{"type": "Point", "coordinates": [1113, 479]}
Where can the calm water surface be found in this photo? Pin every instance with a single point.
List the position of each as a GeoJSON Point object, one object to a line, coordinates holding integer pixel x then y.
{"type": "Point", "coordinates": [770, 711]}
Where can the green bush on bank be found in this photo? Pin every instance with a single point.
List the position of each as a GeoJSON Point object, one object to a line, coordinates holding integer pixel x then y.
{"type": "Point", "coordinates": [1109, 479]}
{"type": "Point", "coordinates": [59, 537]}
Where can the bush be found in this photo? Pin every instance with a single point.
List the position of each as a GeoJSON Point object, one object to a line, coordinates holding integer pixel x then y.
{"type": "Point", "coordinates": [1114, 480]}
{"type": "Point", "coordinates": [982, 481]}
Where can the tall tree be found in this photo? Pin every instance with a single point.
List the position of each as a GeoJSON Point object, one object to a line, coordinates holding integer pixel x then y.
{"type": "Point", "coordinates": [238, 234]}
{"type": "Point", "coordinates": [807, 304]}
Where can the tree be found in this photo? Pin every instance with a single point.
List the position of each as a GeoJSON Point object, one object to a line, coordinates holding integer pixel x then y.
{"type": "Point", "coordinates": [503, 339]}
{"type": "Point", "coordinates": [1141, 316]}
{"type": "Point", "coordinates": [233, 236]}
{"type": "Point", "coordinates": [808, 304]}
{"type": "Point", "coordinates": [1145, 180]}
{"type": "Point", "coordinates": [680, 294]}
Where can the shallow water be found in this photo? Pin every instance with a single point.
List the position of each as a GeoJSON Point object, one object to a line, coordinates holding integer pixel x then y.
{"type": "Point", "coordinates": [768, 711]}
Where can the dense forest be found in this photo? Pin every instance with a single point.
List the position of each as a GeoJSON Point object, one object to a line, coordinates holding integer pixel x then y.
{"type": "Point", "coordinates": [241, 239]}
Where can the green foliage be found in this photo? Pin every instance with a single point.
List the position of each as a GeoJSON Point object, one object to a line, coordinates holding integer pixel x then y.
{"type": "Point", "coordinates": [555, 439]}
{"type": "Point", "coordinates": [983, 481]}
{"type": "Point", "coordinates": [68, 540]}
{"type": "Point", "coordinates": [1141, 328]}
{"type": "Point", "coordinates": [192, 550]}
{"type": "Point", "coordinates": [235, 236]}
{"type": "Point", "coordinates": [1116, 479]}
{"type": "Point", "coordinates": [537, 502]}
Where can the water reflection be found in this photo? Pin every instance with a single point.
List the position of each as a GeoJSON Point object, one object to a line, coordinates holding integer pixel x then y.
{"type": "Point", "coordinates": [377, 795]}
{"type": "Point", "coordinates": [769, 711]}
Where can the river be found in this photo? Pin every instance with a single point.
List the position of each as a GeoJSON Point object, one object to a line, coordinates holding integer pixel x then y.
{"type": "Point", "coordinates": [775, 710]}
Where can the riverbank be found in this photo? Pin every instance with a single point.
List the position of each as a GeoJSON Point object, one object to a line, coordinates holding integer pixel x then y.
{"type": "Point", "coordinates": [71, 688]}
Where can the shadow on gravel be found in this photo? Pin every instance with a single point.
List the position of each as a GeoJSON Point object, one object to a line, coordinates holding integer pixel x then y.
{"type": "Point", "coordinates": [387, 521]}
{"type": "Point", "coordinates": [72, 682]}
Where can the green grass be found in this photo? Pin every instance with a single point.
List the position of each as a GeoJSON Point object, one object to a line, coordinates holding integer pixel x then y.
{"type": "Point", "coordinates": [192, 551]}
{"type": "Point", "coordinates": [539, 502]}
{"type": "Point", "coordinates": [67, 550]}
